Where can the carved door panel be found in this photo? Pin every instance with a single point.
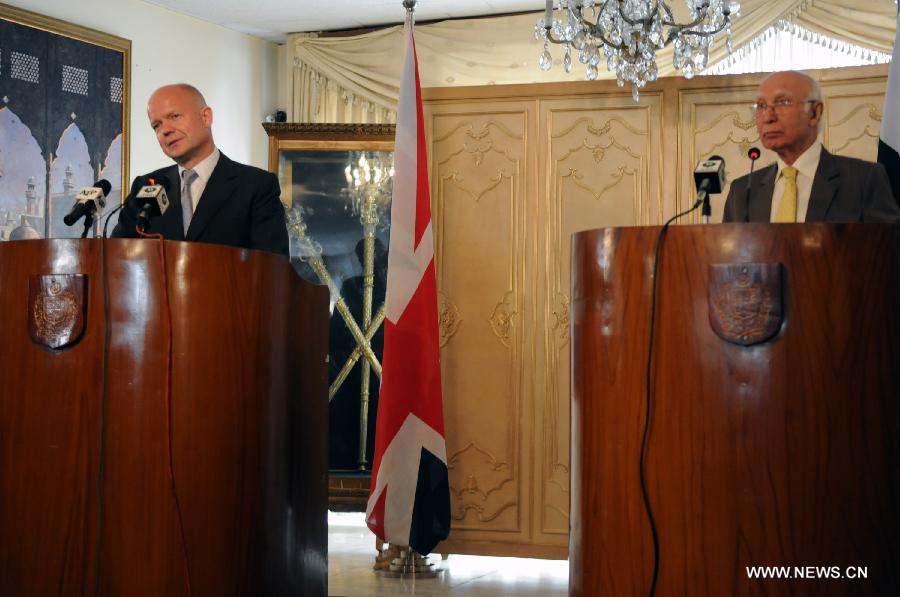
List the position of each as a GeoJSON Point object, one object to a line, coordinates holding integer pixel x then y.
{"type": "Point", "coordinates": [600, 162]}
{"type": "Point", "coordinates": [481, 169]}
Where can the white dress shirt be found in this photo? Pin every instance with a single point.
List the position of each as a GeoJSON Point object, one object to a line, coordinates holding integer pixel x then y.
{"type": "Point", "coordinates": [204, 170]}
{"type": "Point", "coordinates": [806, 166]}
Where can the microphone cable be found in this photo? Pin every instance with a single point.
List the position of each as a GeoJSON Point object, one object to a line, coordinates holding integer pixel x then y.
{"type": "Point", "coordinates": [108, 216]}
{"type": "Point", "coordinates": [645, 436]}
{"type": "Point", "coordinates": [168, 403]}
{"type": "Point", "coordinates": [104, 401]}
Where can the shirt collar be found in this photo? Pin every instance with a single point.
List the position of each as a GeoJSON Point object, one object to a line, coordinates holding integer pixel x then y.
{"type": "Point", "coordinates": [807, 163]}
{"type": "Point", "coordinates": [204, 168]}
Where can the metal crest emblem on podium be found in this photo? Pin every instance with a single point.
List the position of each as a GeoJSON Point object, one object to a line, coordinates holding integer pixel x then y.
{"type": "Point", "coordinates": [745, 302]}
{"type": "Point", "coordinates": [56, 309]}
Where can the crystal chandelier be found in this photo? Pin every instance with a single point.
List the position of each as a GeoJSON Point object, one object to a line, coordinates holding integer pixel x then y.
{"type": "Point", "coordinates": [369, 185]}
{"type": "Point", "coordinates": [627, 33]}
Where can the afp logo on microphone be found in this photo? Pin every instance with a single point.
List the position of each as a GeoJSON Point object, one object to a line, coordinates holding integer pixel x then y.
{"type": "Point", "coordinates": [91, 193]}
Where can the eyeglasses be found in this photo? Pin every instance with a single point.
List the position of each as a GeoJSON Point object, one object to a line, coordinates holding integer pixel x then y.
{"type": "Point", "coordinates": [779, 105]}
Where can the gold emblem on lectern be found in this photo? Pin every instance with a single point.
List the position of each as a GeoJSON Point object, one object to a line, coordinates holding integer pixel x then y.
{"type": "Point", "coordinates": [56, 309]}
{"type": "Point", "coordinates": [745, 304]}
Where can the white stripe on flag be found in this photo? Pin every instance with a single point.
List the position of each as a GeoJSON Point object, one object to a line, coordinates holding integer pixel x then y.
{"type": "Point", "coordinates": [890, 123]}
{"type": "Point", "coordinates": [406, 262]}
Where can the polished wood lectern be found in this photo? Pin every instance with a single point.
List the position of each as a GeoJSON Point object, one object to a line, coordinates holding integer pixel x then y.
{"type": "Point", "coordinates": [86, 502]}
{"type": "Point", "coordinates": [775, 410]}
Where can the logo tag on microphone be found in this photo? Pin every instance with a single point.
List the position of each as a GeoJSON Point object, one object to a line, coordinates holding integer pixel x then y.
{"type": "Point", "coordinates": [90, 194]}
{"type": "Point", "coordinates": [710, 166]}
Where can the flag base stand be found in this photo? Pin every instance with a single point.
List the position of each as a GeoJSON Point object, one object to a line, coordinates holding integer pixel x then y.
{"type": "Point", "coordinates": [402, 562]}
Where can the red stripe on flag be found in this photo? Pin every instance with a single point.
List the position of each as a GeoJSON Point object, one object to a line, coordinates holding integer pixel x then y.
{"type": "Point", "coordinates": [411, 371]}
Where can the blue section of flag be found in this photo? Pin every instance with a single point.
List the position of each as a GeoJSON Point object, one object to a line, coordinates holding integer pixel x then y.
{"type": "Point", "coordinates": [431, 512]}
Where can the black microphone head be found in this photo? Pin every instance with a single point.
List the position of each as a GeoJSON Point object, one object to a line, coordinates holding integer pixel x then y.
{"type": "Point", "coordinates": [710, 175]}
{"type": "Point", "coordinates": [104, 186]}
{"type": "Point", "coordinates": [753, 153]}
{"type": "Point", "coordinates": [153, 199]}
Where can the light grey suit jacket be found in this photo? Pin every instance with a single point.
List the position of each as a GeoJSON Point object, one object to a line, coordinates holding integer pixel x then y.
{"type": "Point", "coordinates": [843, 190]}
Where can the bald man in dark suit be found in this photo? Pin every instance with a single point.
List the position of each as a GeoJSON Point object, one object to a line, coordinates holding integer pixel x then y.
{"type": "Point", "coordinates": [213, 199]}
{"type": "Point", "coordinates": [807, 184]}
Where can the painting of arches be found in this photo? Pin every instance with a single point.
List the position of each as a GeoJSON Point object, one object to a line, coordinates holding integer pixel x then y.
{"type": "Point", "coordinates": [64, 107]}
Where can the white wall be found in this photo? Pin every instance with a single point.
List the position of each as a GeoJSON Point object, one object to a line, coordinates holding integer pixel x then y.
{"type": "Point", "coordinates": [237, 73]}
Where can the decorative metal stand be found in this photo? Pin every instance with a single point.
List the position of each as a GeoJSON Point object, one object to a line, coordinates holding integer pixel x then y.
{"type": "Point", "coordinates": [403, 562]}
{"type": "Point", "coordinates": [369, 187]}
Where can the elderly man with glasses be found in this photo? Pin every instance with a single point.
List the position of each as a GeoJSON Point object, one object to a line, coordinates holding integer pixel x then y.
{"type": "Point", "coordinates": [807, 184]}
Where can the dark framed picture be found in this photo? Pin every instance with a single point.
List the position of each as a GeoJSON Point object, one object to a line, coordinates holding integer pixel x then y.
{"type": "Point", "coordinates": [64, 113]}
{"type": "Point", "coordinates": [336, 183]}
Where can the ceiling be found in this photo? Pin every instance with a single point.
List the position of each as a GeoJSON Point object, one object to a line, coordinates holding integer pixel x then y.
{"type": "Point", "coordinates": [274, 19]}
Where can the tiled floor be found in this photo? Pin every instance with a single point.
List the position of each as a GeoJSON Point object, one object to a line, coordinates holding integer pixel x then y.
{"type": "Point", "coordinates": [351, 554]}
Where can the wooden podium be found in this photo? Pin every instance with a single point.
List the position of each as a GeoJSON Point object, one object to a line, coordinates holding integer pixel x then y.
{"type": "Point", "coordinates": [775, 410]}
{"type": "Point", "coordinates": [86, 502]}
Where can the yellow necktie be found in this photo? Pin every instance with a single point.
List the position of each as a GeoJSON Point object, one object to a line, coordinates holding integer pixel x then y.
{"type": "Point", "coordinates": [787, 209]}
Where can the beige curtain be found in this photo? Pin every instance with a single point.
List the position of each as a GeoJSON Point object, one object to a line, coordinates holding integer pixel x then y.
{"type": "Point", "coordinates": [354, 79]}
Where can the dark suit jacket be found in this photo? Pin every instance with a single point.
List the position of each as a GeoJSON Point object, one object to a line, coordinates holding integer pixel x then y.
{"type": "Point", "coordinates": [240, 207]}
{"type": "Point", "coordinates": [844, 190]}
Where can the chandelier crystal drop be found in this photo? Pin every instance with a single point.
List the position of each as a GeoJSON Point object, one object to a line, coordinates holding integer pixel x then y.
{"type": "Point", "coordinates": [625, 35]}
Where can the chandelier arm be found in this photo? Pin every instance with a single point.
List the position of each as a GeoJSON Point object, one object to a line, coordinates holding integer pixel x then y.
{"type": "Point", "coordinates": [550, 36]}
{"type": "Point", "coordinates": [625, 17]}
{"type": "Point", "coordinates": [605, 41]}
{"type": "Point", "coordinates": [669, 19]}
{"type": "Point", "coordinates": [696, 21]}
{"type": "Point", "coordinates": [725, 24]}
{"type": "Point", "coordinates": [598, 32]}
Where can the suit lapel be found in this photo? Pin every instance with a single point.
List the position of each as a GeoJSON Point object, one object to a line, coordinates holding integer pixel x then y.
{"type": "Point", "coordinates": [824, 188]}
{"type": "Point", "coordinates": [215, 195]}
{"type": "Point", "coordinates": [761, 195]}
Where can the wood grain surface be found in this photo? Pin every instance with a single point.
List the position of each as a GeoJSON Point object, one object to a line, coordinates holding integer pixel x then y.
{"type": "Point", "coordinates": [783, 453]}
{"type": "Point", "coordinates": [249, 407]}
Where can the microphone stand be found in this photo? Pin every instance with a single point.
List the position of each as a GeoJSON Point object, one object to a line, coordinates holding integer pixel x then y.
{"type": "Point", "coordinates": [703, 198]}
{"type": "Point", "coordinates": [88, 223]}
{"type": "Point", "coordinates": [706, 210]}
{"type": "Point", "coordinates": [749, 183]}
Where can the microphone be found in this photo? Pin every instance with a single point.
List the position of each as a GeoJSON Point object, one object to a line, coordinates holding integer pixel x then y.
{"type": "Point", "coordinates": [89, 201]}
{"type": "Point", "coordinates": [709, 176]}
{"type": "Point", "coordinates": [152, 200]}
{"type": "Point", "coordinates": [753, 154]}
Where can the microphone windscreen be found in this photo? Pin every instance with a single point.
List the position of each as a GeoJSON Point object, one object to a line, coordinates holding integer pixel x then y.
{"type": "Point", "coordinates": [753, 153]}
{"type": "Point", "coordinates": [104, 186]}
{"type": "Point", "coordinates": [710, 174]}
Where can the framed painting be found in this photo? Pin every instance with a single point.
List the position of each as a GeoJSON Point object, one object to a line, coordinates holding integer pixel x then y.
{"type": "Point", "coordinates": [336, 183]}
{"type": "Point", "coordinates": [64, 113]}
